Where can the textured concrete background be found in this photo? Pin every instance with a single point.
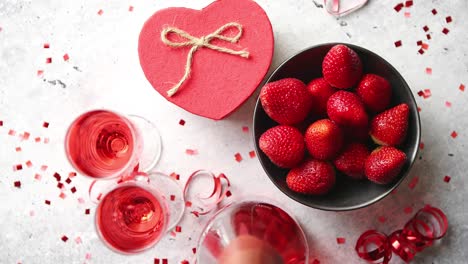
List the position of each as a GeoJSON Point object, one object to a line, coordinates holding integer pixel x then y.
{"type": "Point", "coordinates": [103, 72]}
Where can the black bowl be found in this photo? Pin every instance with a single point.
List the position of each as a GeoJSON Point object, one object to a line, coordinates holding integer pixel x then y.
{"type": "Point", "coordinates": [347, 194]}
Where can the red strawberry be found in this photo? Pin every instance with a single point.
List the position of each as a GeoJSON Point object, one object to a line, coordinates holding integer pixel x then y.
{"type": "Point", "coordinates": [284, 145]}
{"type": "Point", "coordinates": [375, 92]}
{"type": "Point", "coordinates": [384, 164]}
{"type": "Point", "coordinates": [286, 101]}
{"type": "Point", "coordinates": [389, 128]}
{"type": "Point", "coordinates": [324, 139]}
{"type": "Point", "coordinates": [312, 177]}
{"type": "Point", "coordinates": [345, 108]}
{"type": "Point", "coordinates": [352, 160]}
{"type": "Point", "coordinates": [342, 67]}
{"type": "Point", "coordinates": [320, 91]}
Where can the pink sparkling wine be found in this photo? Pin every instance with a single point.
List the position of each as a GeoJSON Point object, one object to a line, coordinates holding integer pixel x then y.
{"type": "Point", "coordinates": [101, 144]}
{"type": "Point", "coordinates": [131, 218]}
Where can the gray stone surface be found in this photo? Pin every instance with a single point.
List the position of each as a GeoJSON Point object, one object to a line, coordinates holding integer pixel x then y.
{"type": "Point", "coordinates": [103, 72]}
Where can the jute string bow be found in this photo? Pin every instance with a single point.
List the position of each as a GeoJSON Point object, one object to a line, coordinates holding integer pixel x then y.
{"type": "Point", "coordinates": [202, 42]}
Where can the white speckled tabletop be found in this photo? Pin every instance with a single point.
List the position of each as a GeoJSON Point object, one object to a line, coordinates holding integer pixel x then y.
{"type": "Point", "coordinates": [103, 71]}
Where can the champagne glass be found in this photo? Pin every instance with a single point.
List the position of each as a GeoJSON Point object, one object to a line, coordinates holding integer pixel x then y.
{"type": "Point", "coordinates": [258, 228]}
{"type": "Point", "coordinates": [103, 144]}
{"type": "Point", "coordinates": [343, 7]}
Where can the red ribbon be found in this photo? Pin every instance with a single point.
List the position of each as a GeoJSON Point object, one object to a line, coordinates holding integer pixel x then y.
{"type": "Point", "coordinates": [426, 226]}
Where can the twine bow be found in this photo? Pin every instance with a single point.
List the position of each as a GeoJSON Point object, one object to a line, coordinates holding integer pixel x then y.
{"type": "Point", "coordinates": [202, 42]}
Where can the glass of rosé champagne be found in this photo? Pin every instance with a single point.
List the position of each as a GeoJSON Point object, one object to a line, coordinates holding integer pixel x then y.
{"type": "Point", "coordinates": [252, 230]}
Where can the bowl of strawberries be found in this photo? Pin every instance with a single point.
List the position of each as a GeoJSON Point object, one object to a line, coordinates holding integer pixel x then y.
{"type": "Point", "coordinates": [336, 127]}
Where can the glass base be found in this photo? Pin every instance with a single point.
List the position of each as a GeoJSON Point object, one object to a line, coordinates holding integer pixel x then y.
{"type": "Point", "coordinates": [172, 193]}
{"type": "Point", "coordinates": [152, 145]}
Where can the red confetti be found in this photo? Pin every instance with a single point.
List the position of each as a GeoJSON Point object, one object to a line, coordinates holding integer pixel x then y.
{"type": "Point", "coordinates": [1, 123]}
{"type": "Point", "coordinates": [429, 71]}
{"type": "Point", "coordinates": [68, 180]}
{"type": "Point", "coordinates": [48, 60]}
{"type": "Point", "coordinates": [184, 262]}
{"type": "Point", "coordinates": [228, 193]}
{"type": "Point", "coordinates": [340, 240]}
{"type": "Point", "coordinates": [46, 45]}
{"type": "Point", "coordinates": [421, 145]}
{"type": "Point", "coordinates": [428, 36]}
{"type": "Point", "coordinates": [78, 240]}
{"type": "Point", "coordinates": [178, 229]}
{"type": "Point", "coordinates": [448, 19]}
{"type": "Point", "coordinates": [172, 197]}
{"type": "Point", "coordinates": [398, 43]}
{"type": "Point", "coordinates": [445, 31]}
{"type": "Point", "coordinates": [252, 154]}
{"type": "Point", "coordinates": [425, 46]}
{"type": "Point", "coordinates": [130, 8]}
{"type": "Point", "coordinates": [29, 164]}
{"type": "Point", "coordinates": [17, 184]}
{"type": "Point", "coordinates": [17, 167]}
{"type": "Point", "coordinates": [66, 57]}
{"type": "Point", "coordinates": [188, 204]}
{"type": "Point", "coordinates": [191, 152]}
{"type": "Point", "coordinates": [72, 174]}
{"type": "Point", "coordinates": [40, 73]}
{"type": "Point", "coordinates": [434, 11]}
{"type": "Point", "coordinates": [412, 184]}
{"type": "Point", "coordinates": [45, 124]}
{"type": "Point", "coordinates": [426, 28]}
{"type": "Point", "coordinates": [419, 109]}
{"type": "Point", "coordinates": [63, 195]}
{"type": "Point", "coordinates": [47, 202]}
{"type": "Point", "coordinates": [64, 238]}
{"type": "Point", "coordinates": [398, 7]}
{"type": "Point", "coordinates": [175, 176]}
{"type": "Point", "coordinates": [73, 189]}
{"type": "Point", "coordinates": [427, 93]}
{"type": "Point", "coordinates": [60, 185]}
{"type": "Point", "coordinates": [87, 211]}
{"type": "Point", "coordinates": [26, 135]}
{"type": "Point", "coordinates": [38, 139]}
{"type": "Point", "coordinates": [181, 122]}
{"type": "Point", "coordinates": [408, 3]}
{"type": "Point", "coordinates": [46, 140]}
{"type": "Point", "coordinates": [57, 176]}
{"type": "Point", "coordinates": [81, 200]}
{"type": "Point", "coordinates": [194, 250]}
{"type": "Point", "coordinates": [164, 261]}
{"type": "Point", "coordinates": [11, 132]}
{"type": "Point", "coordinates": [100, 12]}
{"type": "Point", "coordinates": [37, 176]}
{"type": "Point", "coordinates": [454, 134]}
{"type": "Point", "coordinates": [18, 149]}
{"type": "Point", "coordinates": [407, 14]}
{"type": "Point", "coordinates": [88, 256]}
{"type": "Point", "coordinates": [408, 210]}
{"type": "Point", "coordinates": [156, 261]}
{"type": "Point", "coordinates": [245, 129]}
{"type": "Point", "coordinates": [238, 157]}
{"type": "Point", "coordinates": [447, 179]}
{"type": "Point", "coordinates": [382, 219]}
{"type": "Point", "coordinates": [462, 87]}
{"type": "Point", "coordinates": [43, 167]}
{"type": "Point", "coordinates": [448, 104]}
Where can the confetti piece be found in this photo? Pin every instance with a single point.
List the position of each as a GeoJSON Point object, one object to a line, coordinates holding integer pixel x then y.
{"type": "Point", "coordinates": [175, 176]}
{"type": "Point", "coordinates": [178, 229]}
{"type": "Point", "coordinates": [47, 202]}
{"type": "Point", "coordinates": [461, 87]}
{"type": "Point", "coordinates": [421, 145]}
{"type": "Point", "coordinates": [37, 176]}
{"type": "Point", "coordinates": [448, 104]}
{"type": "Point", "coordinates": [46, 45]}
{"type": "Point", "coordinates": [43, 167]}
{"type": "Point", "coordinates": [48, 60]}
{"type": "Point", "coordinates": [130, 8]}
{"type": "Point", "coordinates": [45, 124]}
{"type": "Point", "coordinates": [68, 180]}
{"type": "Point", "coordinates": [427, 93]}
{"type": "Point", "coordinates": [60, 185]}
{"type": "Point", "coordinates": [156, 261]}
{"type": "Point", "coordinates": [29, 164]}
{"type": "Point", "coordinates": [191, 152]}
{"type": "Point", "coordinates": [17, 184]}
{"type": "Point", "coordinates": [182, 122]}
{"type": "Point", "coordinates": [448, 19]}
{"type": "Point", "coordinates": [57, 176]}
{"type": "Point", "coordinates": [425, 46]}
{"type": "Point", "coordinates": [40, 73]}
{"type": "Point", "coordinates": [37, 140]}
{"type": "Point", "coordinates": [88, 256]}
{"type": "Point", "coordinates": [398, 43]}
{"type": "Point", "coordinates": [408, 3]}
{"type": "Point", "coordinates": [454, 134]}
{"type": "Point", "coordinates": [164, 261]}
{"type": "Point", "coordinates": [447, 179]}
{"type": "Point", "coordinates": [184, 262]}
{"type": "Point", "coordinates": [398, 7]}
{"type": "Point", "coordinates": [228, 193]}
{"type": "Point", "coordinates": [426, 28]}
{"type": "Point", "coordinates": [412, 184]}
{"type": "Point", "coordinates": [238, 157]}
{"type": "Point", "coordinates": [11, 132]}
{"type": "Point", "coordinates": [26, 136]}
{"type": "Point", "coordinates": [172, 197]}
{"type": "Point", "coordinates": [407, 14]}
{"type": "Point", "coordinates": [46, 140]}
{"type": "Point", "coordinates": [78, 240]}
{"type": "Point", "coordinates": [408, 210]}
{"type": "Point", "coordinates": [194, 250]}
{"type": "Point", "coordinates": [434, 11]}
{"type": "Point", "coordinates": [445, 31]}
{"type": "Point", "coordinates": [245, 129]}
{"type": "Point", "coordinates": [188, 204]}
{"type": "Point", "coordinates": [429, 71]}
{"type": "Point", "coordinates": [81, 200]}
{"type": "Point", "coordinates": [382, 219]}
{"type": "Point", "coordinates": [63, 195]}
{"type": "Point", "coordinates": [340, 240]}
{"type": "Point", "coordinates": [73, 189]}
{"type": "Point", "coordinates": [66, 57]}
{"type": "Point", "coordinates": [17, 167]}
{"type": "Point", "coordinates": [64, 238]}
{"type": "Point", "coordinates": [252, 154]}
{"type": "Point", "coordinates": [87, 211]}
{"type": "Point", "coordinates": [18, 149]}
{"type": "Point", "coordinates": [100, 12]}
{"type": "Point", "coordinates": [72, 174]}
{"type": "Point", "coordinates": [1, 123]}
{"type": "Point", "coordinates": [419, 109]}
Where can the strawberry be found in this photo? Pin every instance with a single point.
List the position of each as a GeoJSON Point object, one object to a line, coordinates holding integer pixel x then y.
{"type": "Point", "coordinates": [342, 67]}
{"type": "Point", "coordinates": [384, 164]}
{"type": "Point", "coordinates": [346, 109]}
{"type": "Point", "coordinates": [375, 92]}
{"type": "Point", "coordinates": [286, 101]}
{"type": "Point", "coordinates": [284, 146]}
{"type": "Point", "coordinates": [320, 91]}
{"type": "Point", "coordinates": [389, 128]}
{"type": "Point", "coordinates": [312, 177]}
{"type": "Point", "coordinates": [352, 160]}
{"type": "Point", "coordinates": [324, 139]}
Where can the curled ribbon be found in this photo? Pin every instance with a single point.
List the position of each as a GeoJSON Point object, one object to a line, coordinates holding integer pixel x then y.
{"type": "Point", "coordinates": [429, 224]}
{"type": "Point", "coordinates": [202, 42]}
